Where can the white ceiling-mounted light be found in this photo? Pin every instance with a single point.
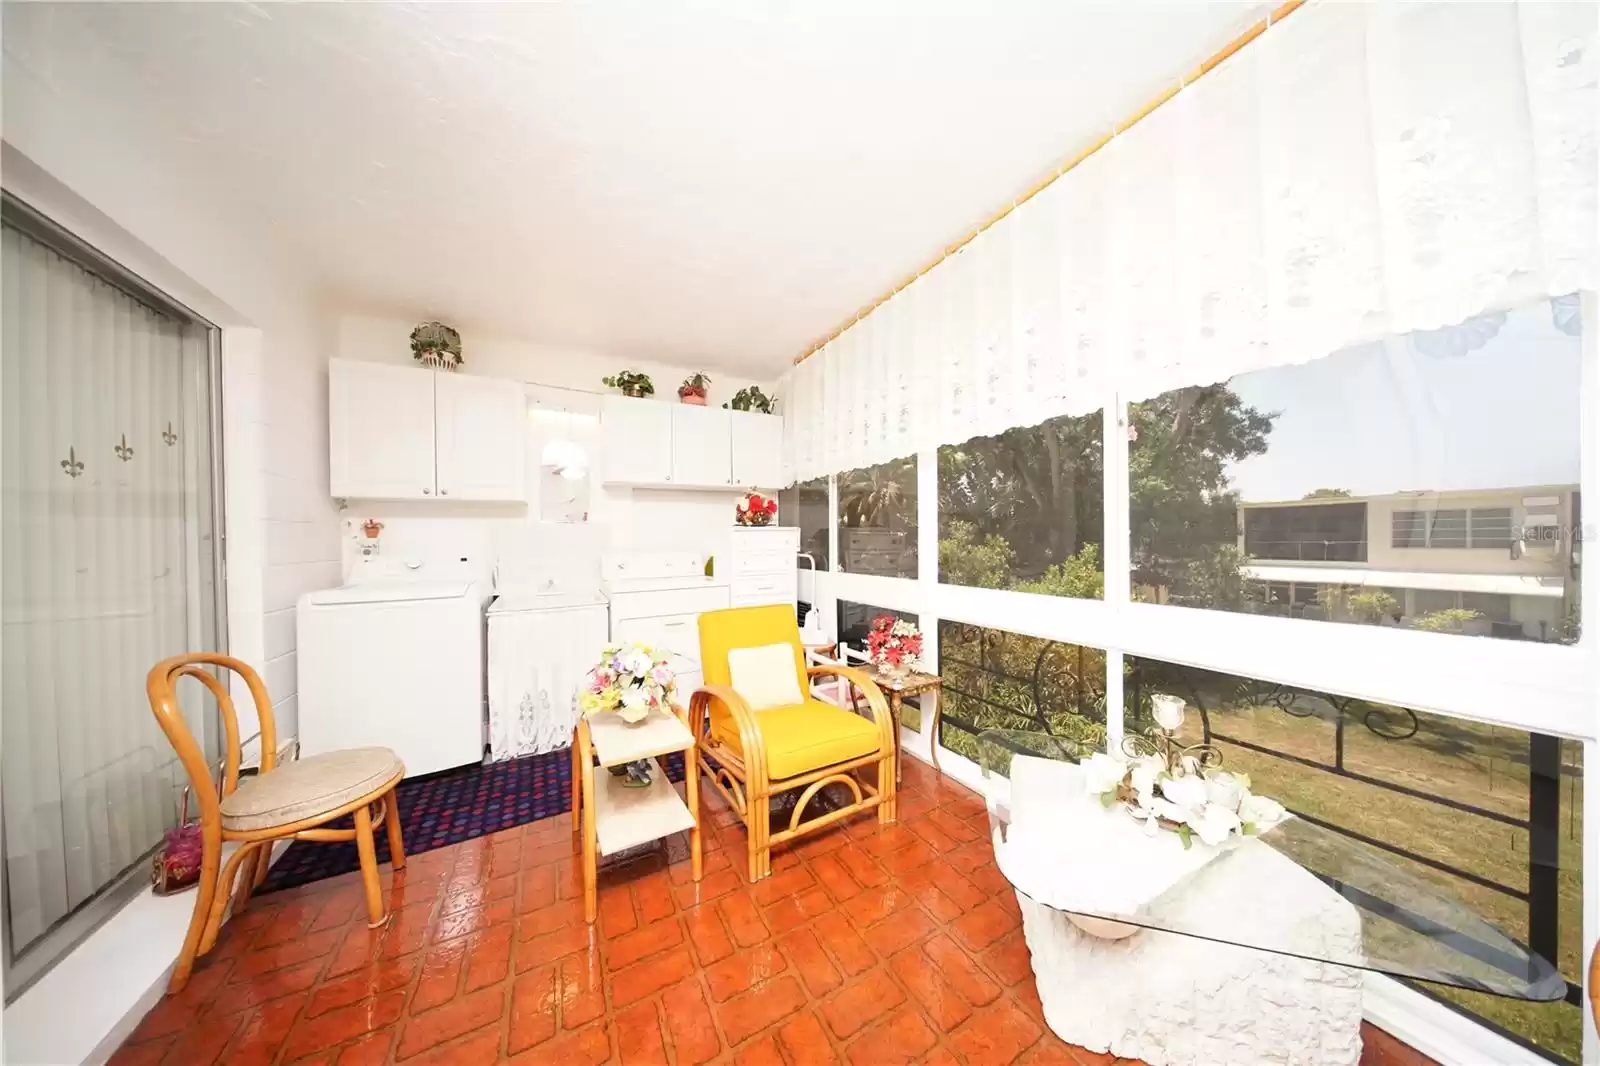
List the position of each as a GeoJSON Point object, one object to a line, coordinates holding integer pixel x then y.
{"type": "Point", "coordinates": [562, 454]}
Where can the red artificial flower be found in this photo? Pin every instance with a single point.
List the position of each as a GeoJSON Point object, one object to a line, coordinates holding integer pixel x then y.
{"type": "Point", "coordinates": [772, 506]}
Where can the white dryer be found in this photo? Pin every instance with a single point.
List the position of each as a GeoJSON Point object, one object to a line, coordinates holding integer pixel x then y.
{"type": "Point", "coordinates": [541, 645]}
{"type": "Point", "coordinates": [394, 664]}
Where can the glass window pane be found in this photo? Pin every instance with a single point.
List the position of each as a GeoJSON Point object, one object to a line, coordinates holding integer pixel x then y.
{"type": "Point", "coordinates": [1448, 529]}
{"type": "Point", "coordinates": [999, 680]}
{"type": "Point", "coordinates": [806, 505]}
{"type": "Point", "coordinates": [1487, 814]}
{"type": "Point", "coordinates": [1490, 527]}
{"type": "Point", "coordinates": [1367, 474]}
{"type": "Point", "coordinates": [1023, 510]}
{"type": "Point", "coordinates": [878, 519]}
{"type": "Point", "coordinates": [1408, 529]}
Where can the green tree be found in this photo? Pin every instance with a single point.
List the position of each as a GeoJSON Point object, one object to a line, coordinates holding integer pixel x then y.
{"type": "Point", "coordinates": [1184, 513]}
{"type": "Point", "coordinates": [965, 560]}
{"type": "Point", "coordinates": [1327, 494]}
{"type": "Point", "coordinates": [884, 495]}
{"type": "Point", "coordinates": [1077, 575]}
{"type": "Point", "coordinates": [1039, 486]}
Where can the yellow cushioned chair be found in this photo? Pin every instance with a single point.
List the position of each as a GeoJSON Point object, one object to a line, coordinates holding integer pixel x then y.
{"type": "Point", "coordinates": [752, 755]}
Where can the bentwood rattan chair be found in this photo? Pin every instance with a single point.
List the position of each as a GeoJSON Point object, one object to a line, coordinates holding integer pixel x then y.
{"type": "Point", "coordinates": [295, 800]}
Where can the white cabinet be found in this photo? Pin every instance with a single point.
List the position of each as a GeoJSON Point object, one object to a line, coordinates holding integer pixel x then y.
{"type": "Point", "coordinates": [658, 599]}
{"type": "Point", "coordinates": [654, 444]}
{"type": "Point", "coordinates": [480, 438]}
{"type": "Point", "coordinates": [403, 433]}
{"type": "Point", "coordinates": [761, 565]}
{"type": "Point", "coordinates": [638, 441]}
{"type": "Point", "coordinates": [380, 431]}
{"type": "Point", "coordinates": [757, 450]}
{"type": "Point", "coordinates": [701, 454]}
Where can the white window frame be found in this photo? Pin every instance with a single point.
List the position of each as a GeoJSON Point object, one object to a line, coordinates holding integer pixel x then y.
{"type": "Point", "coordinates": [1546, 688]}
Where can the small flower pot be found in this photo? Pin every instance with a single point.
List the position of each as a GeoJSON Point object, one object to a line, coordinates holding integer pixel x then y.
{"type": "Point", "coordinates": [696, 399]}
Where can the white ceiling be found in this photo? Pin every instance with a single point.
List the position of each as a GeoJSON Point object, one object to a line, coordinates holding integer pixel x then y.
{"type": "Point", "coordinates": [715, 183]}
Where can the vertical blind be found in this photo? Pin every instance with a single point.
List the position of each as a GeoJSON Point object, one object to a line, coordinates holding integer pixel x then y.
{"type": "Point", "coordinates": [106, 535]}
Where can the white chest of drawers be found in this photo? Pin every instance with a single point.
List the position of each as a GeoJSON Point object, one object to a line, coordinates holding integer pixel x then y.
{"type": "Point", "coordinates": [761, 565]}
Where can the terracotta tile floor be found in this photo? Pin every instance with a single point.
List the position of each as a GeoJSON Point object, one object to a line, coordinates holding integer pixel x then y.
{"type": "Point", "coordinates": [868, 945]}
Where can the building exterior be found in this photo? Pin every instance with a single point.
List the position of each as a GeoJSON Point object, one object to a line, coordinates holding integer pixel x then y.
{"type": "Point", "coordinates": [1507, 556]}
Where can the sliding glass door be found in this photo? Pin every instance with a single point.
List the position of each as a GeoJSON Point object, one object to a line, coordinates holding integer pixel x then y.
{"type": "Point", "coordinates": [108, 535]}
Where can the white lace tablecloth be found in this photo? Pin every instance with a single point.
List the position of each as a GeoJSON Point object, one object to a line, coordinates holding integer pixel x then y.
{"type": "Point", "coordinates": [1165, 997]}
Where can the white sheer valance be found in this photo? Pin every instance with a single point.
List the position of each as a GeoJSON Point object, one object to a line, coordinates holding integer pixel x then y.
{"type": "Point", "coordinates": [1359, 170]}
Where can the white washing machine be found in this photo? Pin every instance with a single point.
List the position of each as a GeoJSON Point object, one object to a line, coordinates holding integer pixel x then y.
{"type": "Point", "coordinates": [396, 664]}
{"type": "Point", "coordinates": [542, 642]}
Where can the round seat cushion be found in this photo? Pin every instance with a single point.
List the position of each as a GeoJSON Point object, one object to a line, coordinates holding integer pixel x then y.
{"type": "Point", "coordinates": [307, 788]}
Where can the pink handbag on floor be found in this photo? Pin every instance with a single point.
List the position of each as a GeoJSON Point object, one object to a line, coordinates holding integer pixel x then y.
{"type": "Point", "coordinates": [177, 864]}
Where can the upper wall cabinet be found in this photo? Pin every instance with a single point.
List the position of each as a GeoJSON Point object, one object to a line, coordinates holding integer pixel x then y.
{"type": "Point", "coordinates": [655, 444]}
{"type": "Point", "coordinates": [636, 440]}
{"type": "Point", "coordinates": [480, 430]}
{"type": "Point", "coordinates": [701, 449]}
{"type": "Point", "coordinates": [757, 450]}
{"type": "Point", "coordinates": [402, 433]}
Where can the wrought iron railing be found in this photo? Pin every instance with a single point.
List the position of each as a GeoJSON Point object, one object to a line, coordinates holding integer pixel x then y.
{"type": "Point", "coordinates": [999, 680]}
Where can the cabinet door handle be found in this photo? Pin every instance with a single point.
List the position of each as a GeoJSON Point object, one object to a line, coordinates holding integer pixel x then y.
{"type": "Point", "coordinates": [444, 492]}
{"type": "Point", "coordinates": [427, 492]}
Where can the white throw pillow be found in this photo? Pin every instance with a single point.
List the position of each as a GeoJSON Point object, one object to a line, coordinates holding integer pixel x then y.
{"type": "Point", "coordinates": [764, 676]}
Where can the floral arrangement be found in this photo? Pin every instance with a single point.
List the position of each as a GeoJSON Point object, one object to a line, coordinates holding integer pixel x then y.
{"type": "Point", "coordinates": [435, 344]}
{"type": "Point", "coordinates": [894, 645]}
{"type": "Point", "coordinates": [630, 383]}
{"type": "Point", "coordinates": [751, 398]}
{"type": "Point", "coordinates": [693, 389]}
{"type": "Point", "coordinates": [1180, 789]}
{"type": "Point", "coordinates": [755, 510]}
{"type": "Point", "coordinates": [631, 679]}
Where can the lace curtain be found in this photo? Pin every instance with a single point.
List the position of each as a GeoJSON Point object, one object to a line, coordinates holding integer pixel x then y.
{"type": "Point", "coordinates": [1360, 170]}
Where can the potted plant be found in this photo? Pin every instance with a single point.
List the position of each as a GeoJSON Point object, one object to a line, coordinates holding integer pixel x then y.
{"type": "Point", "coordinates": [894, 646]}
{"type": "Point", "coordinates": [630, 383]}
{"type": "Point", "coordinates": [751, 398]}
{"type": "Point", "coordinates": [434, 344]}
{"type": "Point", "coordinates": [633, 680]}
{"type": "Point", "coordinates": [693, 389]}
{"type": "Point", "coordinates": [755, 510]}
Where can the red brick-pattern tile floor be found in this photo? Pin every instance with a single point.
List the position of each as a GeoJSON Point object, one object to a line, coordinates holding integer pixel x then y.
{"type": "Point", "coordinates": [869, 945]}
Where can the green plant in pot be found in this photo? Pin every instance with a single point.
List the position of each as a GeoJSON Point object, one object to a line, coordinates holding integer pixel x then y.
{"type": "Point", "coordinates": [437, 345]}
{"type": "Point", "coordinates": [693, 389]}
{"type": "Point", "coordinates": [630, 383]}
{"type": "Point", "coordinates": [750, 398]}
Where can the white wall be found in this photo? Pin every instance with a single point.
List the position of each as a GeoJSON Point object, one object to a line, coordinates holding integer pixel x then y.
{"type": "Point", "coordinates": [79, 148]}
{"type": "Point", "coordinates": [377, 339]}
{"type": "Point", "coordinates": [620, 519]}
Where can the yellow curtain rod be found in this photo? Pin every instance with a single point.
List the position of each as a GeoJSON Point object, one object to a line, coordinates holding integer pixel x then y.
{"type": "Point", "coordinates": [1256, 30]}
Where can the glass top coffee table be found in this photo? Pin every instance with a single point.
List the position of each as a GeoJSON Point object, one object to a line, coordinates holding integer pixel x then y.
{"type": "Point", "coordinates": [1298, 890]}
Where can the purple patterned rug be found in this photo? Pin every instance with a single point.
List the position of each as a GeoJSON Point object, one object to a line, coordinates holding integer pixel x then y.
{"type": "Point", "coordinates": [449, 807]}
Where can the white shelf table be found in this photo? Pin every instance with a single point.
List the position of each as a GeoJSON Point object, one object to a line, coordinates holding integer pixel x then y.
{"type": "Point", "coordinates": [607, 815]}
